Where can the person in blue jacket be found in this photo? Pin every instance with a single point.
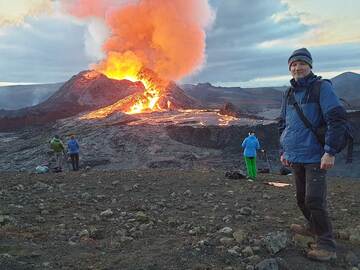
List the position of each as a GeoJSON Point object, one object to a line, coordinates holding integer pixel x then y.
{"type": "Point", "coordinates": [73, 150]}
{"type": "Point", "coordinates": [250, 145]}
{"type": "Point", "coordinates": [302, 151]}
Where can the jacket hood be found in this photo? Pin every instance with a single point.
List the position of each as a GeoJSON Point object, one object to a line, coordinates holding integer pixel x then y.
{"type": "Point", "coordinates": [306, 81]}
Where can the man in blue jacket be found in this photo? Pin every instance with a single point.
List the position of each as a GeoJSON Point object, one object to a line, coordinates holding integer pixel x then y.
{"type": "Point", "coordinates": [301, 150]}
{"type": "Point", "coordinates": [73, 149]}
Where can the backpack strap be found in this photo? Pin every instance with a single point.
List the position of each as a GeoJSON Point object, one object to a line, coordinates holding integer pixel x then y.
{"type": "Point", "coordinates": [314, 90]}
{"type": "Point", "coordinates": [302, 116]}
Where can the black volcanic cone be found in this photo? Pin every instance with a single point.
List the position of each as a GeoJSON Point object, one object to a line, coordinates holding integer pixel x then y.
{"type": "Point", "coordinates": [92, 91]}
{"type": "Point", "coordinates": [88, 90]}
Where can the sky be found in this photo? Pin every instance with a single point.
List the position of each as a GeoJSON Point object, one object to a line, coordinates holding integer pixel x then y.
{"type": "Point", "coordinates": [247, 44]}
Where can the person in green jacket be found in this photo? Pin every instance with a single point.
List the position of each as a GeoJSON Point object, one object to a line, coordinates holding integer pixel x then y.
{"type": "Point", "coordinates": [59, 149]}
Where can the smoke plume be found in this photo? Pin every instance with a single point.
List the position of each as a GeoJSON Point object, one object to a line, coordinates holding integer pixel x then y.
{"type": "Point", "coordinates": [165, 36]}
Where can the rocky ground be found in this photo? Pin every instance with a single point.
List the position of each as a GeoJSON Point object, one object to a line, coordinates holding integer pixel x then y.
{"type": "Point", "coordinates": [184, 140]}
{"type": "Point", "coordinates": [163, 219]}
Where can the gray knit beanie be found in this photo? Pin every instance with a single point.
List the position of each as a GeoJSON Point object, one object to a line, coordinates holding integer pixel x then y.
{"type": "Point", "coordinates": [300, 55]}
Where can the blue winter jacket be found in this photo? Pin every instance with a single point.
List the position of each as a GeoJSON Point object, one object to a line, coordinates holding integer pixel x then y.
{"type": "Point", "coordinates": [298, 143]}
{"type": "Point", "coordinates": [73, 146]}
{"type": "Point", "coordinates": [251, 144]}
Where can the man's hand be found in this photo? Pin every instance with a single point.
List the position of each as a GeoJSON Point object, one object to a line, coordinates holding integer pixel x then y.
{"type": "Point", "coordinates": [284, 161]}
{"type": "Point", "coordinates": [327, 161]}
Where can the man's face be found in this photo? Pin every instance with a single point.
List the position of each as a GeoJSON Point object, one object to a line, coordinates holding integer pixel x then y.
{"type": "Point", "coordinates": [299, 69]}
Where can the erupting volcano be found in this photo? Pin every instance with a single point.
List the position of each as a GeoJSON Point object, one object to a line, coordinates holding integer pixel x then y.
{"type": "Point", "coordinates": [154, 89]}
{"type": "Point", "coordinates": [150, 44]}
{"type": "Point", "coordinates": [152, 41]}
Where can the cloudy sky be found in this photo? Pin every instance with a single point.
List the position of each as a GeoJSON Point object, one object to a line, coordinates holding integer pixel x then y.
{"type": "Point", "coordinates": [248, 43]}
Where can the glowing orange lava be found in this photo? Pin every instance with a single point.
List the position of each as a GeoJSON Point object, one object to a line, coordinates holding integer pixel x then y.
{"type": "Point", "coordinates": [128, 66]}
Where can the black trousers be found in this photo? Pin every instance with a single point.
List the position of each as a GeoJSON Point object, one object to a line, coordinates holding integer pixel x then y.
{"type": "Point", "coordinates": [75, 161]}
{"type": "Point", "coordinates": [311, 191]}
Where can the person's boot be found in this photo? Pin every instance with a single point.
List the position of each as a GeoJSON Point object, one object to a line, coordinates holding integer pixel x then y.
{"type": "Point", "coordinates": [302, 230]}
{"type": "Point", "coordinates": [320, 254]}
{"type": "Point", "coordinates": [312, 245]}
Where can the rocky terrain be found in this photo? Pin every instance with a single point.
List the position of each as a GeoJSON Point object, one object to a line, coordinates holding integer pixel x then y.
{"type": "Point", "coordinates": [188, 139]}
{"type": "Point", "coordinates": [164, 219]}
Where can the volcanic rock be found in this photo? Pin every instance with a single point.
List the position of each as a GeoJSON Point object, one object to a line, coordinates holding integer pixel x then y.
{"type": "Point", "coordinates": [177, 98]}
{"type": "Point", "coordinates": [229, 109]}
{"type": "Point", "coordinates": [268, 264]}
{"type": "Point", "coordinates": [276, 241]}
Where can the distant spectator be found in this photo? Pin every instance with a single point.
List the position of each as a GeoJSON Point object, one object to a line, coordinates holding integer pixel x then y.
{"type": "Point", "coordinates": [250, 145]}
{"type": "Point", "coordinates": [73, 150]}
{"type": "Point", "coordinates": [57, 145]}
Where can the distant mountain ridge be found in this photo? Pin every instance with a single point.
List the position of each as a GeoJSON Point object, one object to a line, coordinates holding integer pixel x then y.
{"type": "Point", "coordinates": [346, 86]}
{"type": "Point", "coordinates": [21, 96]}
{"type": "Point", "coordinates": [243, 98]}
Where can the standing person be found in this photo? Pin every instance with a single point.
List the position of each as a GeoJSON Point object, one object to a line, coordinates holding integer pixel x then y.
{"type": "Point", "coordinates": [57, 145]}
{"type": "Point", "coordinates": [302, 150]}
{"type": "Point", "coordinates": [250, 145]}
{"type": "Point", "coordinates": [73, 150]}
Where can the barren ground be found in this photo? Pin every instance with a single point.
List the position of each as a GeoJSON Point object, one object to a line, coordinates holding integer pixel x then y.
{"type": "Point", "coordinates": [161, 219]}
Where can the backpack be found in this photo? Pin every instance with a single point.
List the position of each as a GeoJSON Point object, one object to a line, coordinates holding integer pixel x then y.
{"type": "Point", "coordinates": [320, 132]}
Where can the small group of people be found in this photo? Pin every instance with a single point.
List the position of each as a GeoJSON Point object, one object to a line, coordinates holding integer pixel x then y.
{"type": "Point", "coordinates": [309, 104]}
{"type": "Point", "coordinates": [73, 150]}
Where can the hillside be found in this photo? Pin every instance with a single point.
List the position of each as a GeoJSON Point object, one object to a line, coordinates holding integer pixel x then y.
{"type": "Point", "coordinates": [21, 96]}
{"type": "Point", "coordinates": [87, 90]}
{"type": "Point", "coordinates": [163, 219]}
